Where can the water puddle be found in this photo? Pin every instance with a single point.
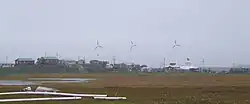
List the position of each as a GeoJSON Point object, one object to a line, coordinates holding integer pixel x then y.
{"type": "Point", "coordinates": [15, 83]}
{"type": "Point", "coordinates": [60, 79]}
{"type": "Point", "coordinates": [37, 81]}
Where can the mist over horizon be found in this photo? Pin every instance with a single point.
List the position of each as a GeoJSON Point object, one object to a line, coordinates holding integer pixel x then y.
{"type": "Point", "coordinates": [216, 30]}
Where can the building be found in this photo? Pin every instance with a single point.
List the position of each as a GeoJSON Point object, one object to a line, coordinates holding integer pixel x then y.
{"type": "Point", "coordinates": [97, 62]}
{"type": "Point", "coordinates": [146, 69]}
{"type": "Point", "coordinates": [189, 67]}
{"type": "Point", "coordinates": [6, 65]}
{"type": "Point", "coordinates": [134, 67]}
{"type": "Point", "coordinates": [24, 61]}
{"type": "Point", "coordinates": [109, 66]}
{"type": "Point", "coordinates": [81, 62]}
{"type": "Point", "coordinates": [173, 66]}
{"type": "Point", "coordinates": [48, 60]}
{"type": "Point", "coordinates": [70, 62]}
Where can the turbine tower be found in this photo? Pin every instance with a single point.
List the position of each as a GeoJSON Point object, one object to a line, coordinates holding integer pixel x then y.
{"type": "Point", "coordinates": [164, 64]}
{"type": "Point", "coordinates": [98, 46]}
{"type": "Point", "coordinates": [131, 47]}
{"type": "Point", "coordinates": [6, 59]}
{"type": "Point", "coordinates": [174, 46]}
{"type": "Point", "coordinates": [57, 55]}
{"type": "Point", "coordinates": [203, 62]}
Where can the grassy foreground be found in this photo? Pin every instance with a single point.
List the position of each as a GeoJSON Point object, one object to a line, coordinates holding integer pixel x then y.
{"type": "Point", "coordinates": [150, 88]}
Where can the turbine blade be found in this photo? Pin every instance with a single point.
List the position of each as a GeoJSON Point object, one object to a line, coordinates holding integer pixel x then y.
{"type": "Point", "coordinates": [131, 42]}
{"type": "Point", "coordinates": [174, 46]}
{"type": "Point", "coordinates": [97, 42]}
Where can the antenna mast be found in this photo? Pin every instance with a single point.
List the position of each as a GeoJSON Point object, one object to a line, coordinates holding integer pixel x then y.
{"type": "Point", "coordinates": [164, 64]}
{"type": "Point", "coordinates": [114, 60]}
{"type": "Point", "coordinates": [6, 59]}
{"type": "Point", "coordinates": [57, 55]}
{"type": "Point", "coordinates": [203, 63]}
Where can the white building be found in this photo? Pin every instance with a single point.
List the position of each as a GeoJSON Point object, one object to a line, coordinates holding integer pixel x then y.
{"type": "Point", "coordinates": [81, 62]}
{"type": "Point", "coordinates": [6, 65]}
{"type": "Point", "coordinates": [68, 62]}
{"type": "Point", "coordinates": [189, 67]}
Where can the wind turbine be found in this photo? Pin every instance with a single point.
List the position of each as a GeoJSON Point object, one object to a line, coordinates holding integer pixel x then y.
{"type": "Point", "coordinates": [132, 45]}
{"type": "Point", "coordinates": [203, 64]}
{"type": "Point", "coordinates": [175, 44]}
{"type": "Point", "coordinates": [98, 46]}
{"type": "Point", "coordinates": [58, 55]}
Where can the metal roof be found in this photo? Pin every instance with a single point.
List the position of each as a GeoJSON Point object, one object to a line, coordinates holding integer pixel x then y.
{"type": "Point", "coordinates": [50, 57]}
{"type": "Point", "coordinates": [24, 59]}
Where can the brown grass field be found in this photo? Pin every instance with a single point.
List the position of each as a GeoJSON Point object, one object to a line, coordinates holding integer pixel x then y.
{"type": "Point", "coordinates": [151, 89]}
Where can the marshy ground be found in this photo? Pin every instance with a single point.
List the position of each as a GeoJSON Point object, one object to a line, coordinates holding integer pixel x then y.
{"type": "Point", "coordinates": [146, 88]}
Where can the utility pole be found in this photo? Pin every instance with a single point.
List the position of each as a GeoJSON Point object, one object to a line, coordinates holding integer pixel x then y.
{"type": "Point", "coordinates": [234, 64]}
{"type": "Point", "coordinates": [114, 60]}
{"type": "Point", "coordinates": [57, 55]}
{"type": "Point", "coordinates": [203, 64]}
{"type": "Point", "coordinates": [164, 64]}
{"type": "Point", "coordinates": [6, 59]}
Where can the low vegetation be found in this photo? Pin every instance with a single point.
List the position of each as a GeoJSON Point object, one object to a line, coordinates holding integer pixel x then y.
{"type": "Point", "coordinates": [145, 88]}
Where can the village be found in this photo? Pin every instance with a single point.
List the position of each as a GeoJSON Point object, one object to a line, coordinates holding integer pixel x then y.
{"type": "Point", "coordinates": [81, 65]}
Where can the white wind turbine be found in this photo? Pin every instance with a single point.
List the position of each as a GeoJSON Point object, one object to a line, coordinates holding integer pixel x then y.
{"type": "Point", "coordinates": [175, 44]}
{"type": "Point", "coordinates": [173, 48]}
{"type": "Point", "coordinates": [98, 46]}
{"type": "Point", "coordinates": [132, 45]}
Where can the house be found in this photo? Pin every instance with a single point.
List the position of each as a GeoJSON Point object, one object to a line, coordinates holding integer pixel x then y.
{"type": "Point", "coordinates": [109, 66]}
{"type": "Point", "coordinates": [6, 65]}
{"type": "Point", "coordinates": [94, 67]}
{"type": "Point", "coordinates": [48, 60]}
{"type": "Point", "coordinates": [156, 70]}
{"type": "Point", "coordinates": [81, 62]}
{"type": "Point", "coordinates": [121, 66]}
{"type": "Point", "coordinates": [135, 67]}
{"type": "Point", "coordinates": [146, 69]}
{"type": "Point", "coordinates": [97, 62]}
{"type": "Point", "coordinates": [70, 62]}
{"type": "Point", "coordinates": [24, 61]}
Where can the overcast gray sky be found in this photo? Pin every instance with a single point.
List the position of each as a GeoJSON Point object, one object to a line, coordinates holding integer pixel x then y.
{"type": "Point", "coordinates": [217, 30]}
